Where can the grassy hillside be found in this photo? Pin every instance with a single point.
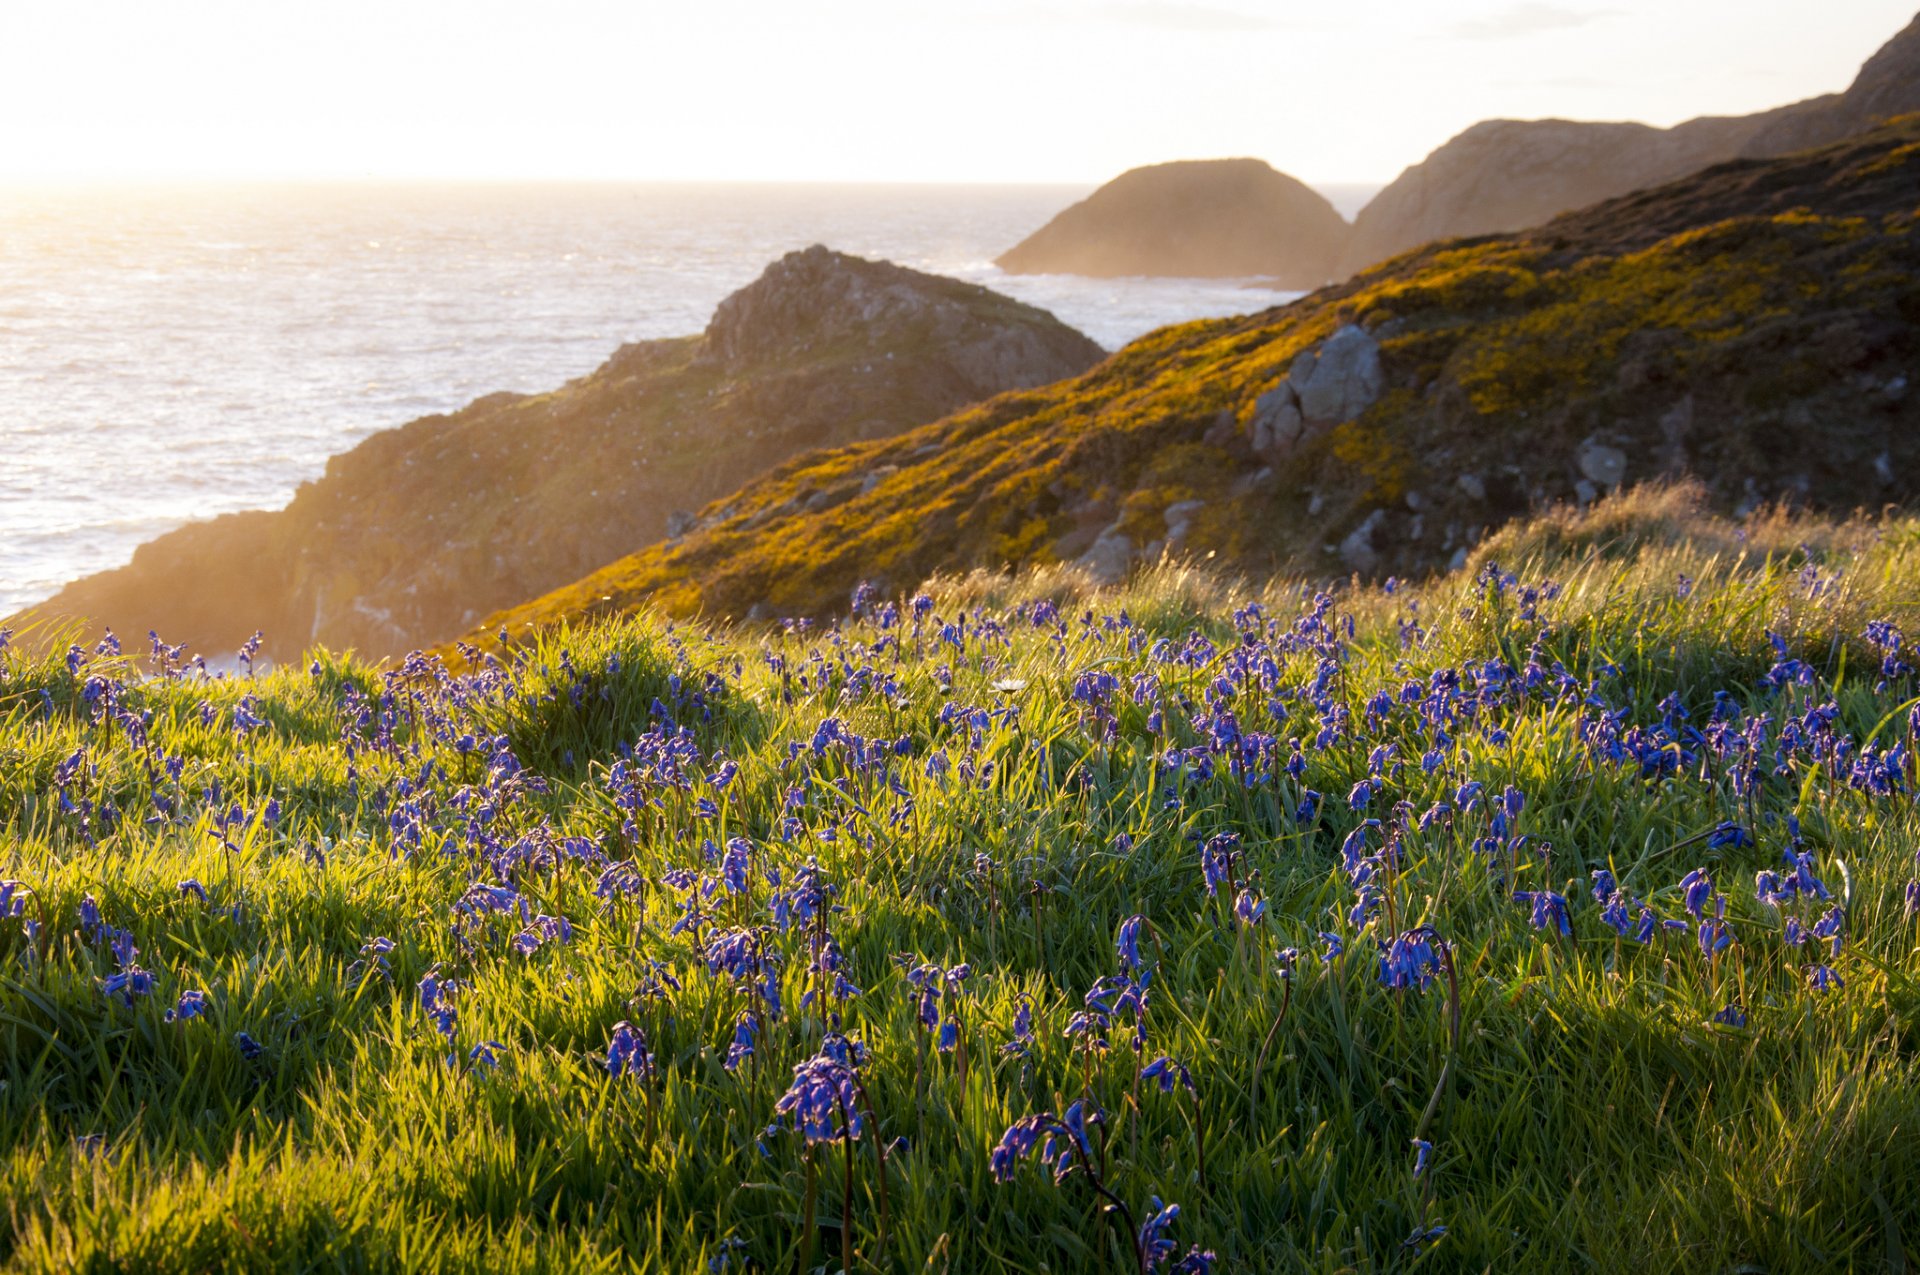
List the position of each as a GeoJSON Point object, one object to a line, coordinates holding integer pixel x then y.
{"type": "Point", "coordinates": [1754, 325]}
{"type": "Point", "coordinates": [419, 531]}
{"type": "Point", "coordinates": [1554, 914]}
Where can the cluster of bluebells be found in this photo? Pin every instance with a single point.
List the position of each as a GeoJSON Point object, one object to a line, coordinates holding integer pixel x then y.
{"type": "Point", "coordinates": [1374, 784]}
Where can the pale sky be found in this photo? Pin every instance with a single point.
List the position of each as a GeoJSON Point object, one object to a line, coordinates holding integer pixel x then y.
{"type": "Point", "coordinates": [880, 90]}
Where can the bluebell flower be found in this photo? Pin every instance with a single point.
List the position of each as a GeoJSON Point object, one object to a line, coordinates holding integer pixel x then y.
{"type": "Point", "coordinates": [627, 1052]}
{"type": "Point", "coordinates": [1167, 1073]}
{"type": "Point", "coordinates": [1731, 1016]}
{"type": "Point", "coordinates": [1832, 927]}
{"type": "Point", "coordinates": [128, 983]}
{"type": "Point", "coordinates": [1697, 888]}
{"type": "Point", "coordinates": [1728, 834]}
{"type": "Point", "coordinates": [1409, 960]}
{"type": "Point", "coordinates": [485, 1056]}
{"type": "Point", "coordinates": [249, 1048]}
{"type": "Point", "coordinates": [822, 1101]}
{"type": "Point", "coordinates": [1824, 978]}
{"type": "Point", "coordinates": [1128, 942]}
{"type": "Point", "coordinates": [192, 1004]}
{"type": "Point", "coordinates": [1549, 909]}
{"type": "Point", "coordinates": [1022, 1040]}
{"type": "Point", "coordinates": [745, 1028]}
{"type": "Point", "coordinates": [736, 865]}
{"type": "Point", "coordinates": [726, 1253]}
{"type": "Point", "coordinates": [436, 998]}
{"type": "Point", "coordinates": [1155, 1245]}
{"type": "Point", "coordinates": [1334, 945]}
{"type": "Point", "coordinates": [1062, 1141]}
{"type": "Point", "coordinates": [1422, 1155]}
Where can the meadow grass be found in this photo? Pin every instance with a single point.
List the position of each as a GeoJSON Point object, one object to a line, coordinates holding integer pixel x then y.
{"type": "Point", "coordinates": [1016, 769]}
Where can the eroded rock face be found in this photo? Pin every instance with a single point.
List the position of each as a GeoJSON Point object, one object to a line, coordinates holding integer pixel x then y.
{"type": "Point", "coordinates": [418, 530]}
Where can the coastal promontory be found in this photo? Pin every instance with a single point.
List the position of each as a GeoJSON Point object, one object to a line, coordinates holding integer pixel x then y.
{"type": "Point", "coordinates": [418, 531]}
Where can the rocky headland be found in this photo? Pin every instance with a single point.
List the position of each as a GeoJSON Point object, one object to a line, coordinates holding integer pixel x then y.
{"type": "Point", "coordinates": [419, 531]}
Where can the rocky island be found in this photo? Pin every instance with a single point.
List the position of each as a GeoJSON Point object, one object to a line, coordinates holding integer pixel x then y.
{"type": "Point", "coordinates": [1217, 218]}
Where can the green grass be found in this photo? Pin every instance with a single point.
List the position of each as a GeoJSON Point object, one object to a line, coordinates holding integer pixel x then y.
{"type": "Point", "coordinates": [1594, 1114]}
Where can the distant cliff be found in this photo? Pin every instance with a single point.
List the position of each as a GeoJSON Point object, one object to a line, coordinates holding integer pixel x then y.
{"type": "Point", "coordinates": [1505, 175]}
{"type": "Point", "coordinates": [417, 532]}
{"type": "Point", "coordinates": [1217, 218]}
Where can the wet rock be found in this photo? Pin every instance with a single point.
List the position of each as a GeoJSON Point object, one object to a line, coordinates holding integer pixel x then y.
{"type": "Point", "coordinates": [1471, 486]}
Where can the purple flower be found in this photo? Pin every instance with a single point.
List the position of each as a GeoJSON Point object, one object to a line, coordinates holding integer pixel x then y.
{"type": "Point", "coordinates": [128, 983]}
{"type": "Point", "coordinates": [1022, 1041]}
{"type": "Point", "coordinates": [1062, 1141]}
{"type": "Point", "coordinates": [745, 1028]}
{"type": "Point", "coordinates": [627, 1053]}
{"type": "Point", "coordinates": [1729, 834]}
{"type": "Point", "coordinates": [1167, 1073]}
{"type": "Point", "coordinates": [1549, 909]}
{"type": "Point", "coordinates": [192, 1004]}
{"type": "Point", "coordinates": [1409, 960]}
{"type": "Point", "coordinates": [1155, 1245]}
{"type": "Point", "coordinates": [1128, 943]}
{"type": "Point", "coordinates": [1697, 888]}
{"type": "Point", "coordinates": [822, 1101]}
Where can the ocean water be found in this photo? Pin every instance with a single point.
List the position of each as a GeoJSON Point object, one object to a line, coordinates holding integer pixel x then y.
{"type": "Point", "coordinates": [170, 353]}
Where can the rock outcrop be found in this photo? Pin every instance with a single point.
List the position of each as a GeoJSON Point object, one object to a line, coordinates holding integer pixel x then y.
{"type": "Point", "coordinates": [1507, 175]}
{"type": "Point", "coordinates": [1753, 328]}
{"type": "Point", "coordinates": [419, 531]}
{"type": "Point", "coordinates": [1218, 218]}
